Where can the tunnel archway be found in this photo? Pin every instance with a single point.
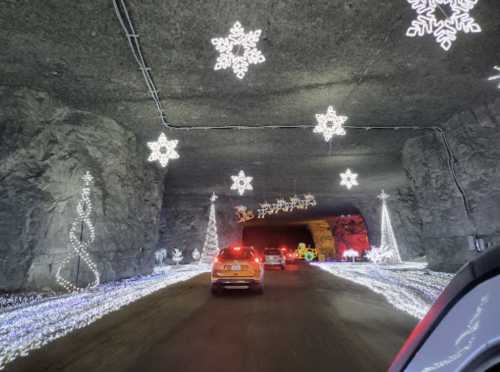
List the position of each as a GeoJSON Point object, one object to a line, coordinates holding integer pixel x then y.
{"type": "Point", "coordinates": [331, 233]}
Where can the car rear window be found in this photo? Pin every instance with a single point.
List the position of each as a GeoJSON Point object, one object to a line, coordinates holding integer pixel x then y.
{"type": "Point", "coordinates": [231, 254]}
{"type": "Point", "coordinates": [273, 252]}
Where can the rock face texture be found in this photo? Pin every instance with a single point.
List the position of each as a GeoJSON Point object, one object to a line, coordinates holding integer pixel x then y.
{"type": "Point", "coordinates": [474, 139]}
{"type": "Point", "coordinates": [45, 148]}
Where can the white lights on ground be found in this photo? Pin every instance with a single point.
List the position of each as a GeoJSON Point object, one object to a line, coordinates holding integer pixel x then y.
{"type": "Point", "coordinates": [241, 182]}
{"type": "Point", "coordinates": [281, 205]}
{"type": "Point", "coordinates": [177, 256]}
{"type": "Point", "coordinates": [432, 19]}
{"type": "Point", "coordinates": [496, 77]}
{"type": "Point", "coordinates": [350, 253]}
{"type": "Point", "coordinates": [196, 254]}
{"type": "Point", "coordinates": [348, 179]}
{"type": "Point", "coordinates": [28, 328]}
{"type": "Point", "coordinates": [238, 50]}
{"type": "Point", "coordinates": [162, 150]}
{"type": "Point", "coordinates": [211, 244]}
{"type": "Point", "coordinates": [330, 124]}
{"type": "Point", "coordinates": [81, 236]}
{"type": "Point", "coordinates": [409, 287]}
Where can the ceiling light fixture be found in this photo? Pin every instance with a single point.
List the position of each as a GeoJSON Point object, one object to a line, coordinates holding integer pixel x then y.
{"type": "Point", "coordinates": [238, 50]}
{"type": "Point", "coordinates": [330, 124]}
{"type": "Point", "coordinates": [444, 30]}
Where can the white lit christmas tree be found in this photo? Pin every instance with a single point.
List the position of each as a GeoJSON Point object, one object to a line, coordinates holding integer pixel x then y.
{"type": "Point", "coordinates": [388, 252]}
{"type": "Point", "coordinates": [81, 236]}
{"type": "Point", "coordinates": [177, 256]}
{"type": "Point", "coordinates": [211, 245]}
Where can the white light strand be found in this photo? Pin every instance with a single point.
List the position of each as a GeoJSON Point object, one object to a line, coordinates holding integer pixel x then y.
{"type": "Point", "coordinates": [238, 50]}
{"type": "Point", "coordinates": [444, 30]}
{"type": "Point", "coordinates": [348, 179]}
{"type": "Point", "coordinates": [388, 252]}
{"type": "Point", "coordinates": [211, 245]}
{"type": "Point", "coordinates": [496, 77]}
{"type": "Point", "coordinates": [241, 182]}
{"type": "Point", "coordinates": [330, 124]}
{"type": "Point", "coordinates": [162, 150]}
{"type": "Point", "coordinates": [31, 327]}
{"type": "Point", "coordinates": [281, 205]}
{"type": "Point", "coordinates": [80, 246]}
{"type": "Point", "coordinates": [408, 287]}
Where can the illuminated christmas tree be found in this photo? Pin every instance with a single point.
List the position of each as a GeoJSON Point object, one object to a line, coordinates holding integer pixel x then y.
{"type": "Point", "coordinates": [211, 245]}
{"type": "Point", "coordinates": [388, 252]}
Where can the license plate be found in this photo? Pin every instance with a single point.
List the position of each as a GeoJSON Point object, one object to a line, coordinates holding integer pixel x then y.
{"type": "Point", "coordinates": [235, 267]}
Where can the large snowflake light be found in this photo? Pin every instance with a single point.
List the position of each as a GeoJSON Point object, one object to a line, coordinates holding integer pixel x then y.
{"type": "Point", "coordinates": [496, 77]}
{"type": "Point", "coordinates": [349, 179]}
{"type": "Point", "coordinates": [163, 150]}
{"type": "Point", "coordinates": [241, 182]}
{"type": "Point", "coordinates": [444, 30]}
{"type": "Point", "coordinates": [238, 50]}
{"type": "Point", "coordinates": [330, 124]}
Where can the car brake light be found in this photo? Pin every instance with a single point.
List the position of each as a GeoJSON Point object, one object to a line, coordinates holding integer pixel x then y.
{"type": "Point", "coordinates": [237, 248]}
{"type": "Point", "coordinates": [216, 259]}
{"type": "Point", "coordinates": [256, 259]}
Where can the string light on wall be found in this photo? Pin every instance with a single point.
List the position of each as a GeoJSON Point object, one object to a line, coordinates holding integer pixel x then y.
{"type": "Point", "coordinates": [281, 205]}
{"type": "Point", "coordinates": [81, 236]}
{"type": "Point", "coordinates": [444, 30]}
{"type": "Point", "coordinates": [330, 124]}
{"type": "Point", "coordinates": [349, 179]}
{"type": "Point", "coordinates": [162, 150]}
{"type": "Point", "coordinates": [242, 182]}
{"type": "Point", "coordinates": [496, 77]}
{"type": "Point", "coordinates": [238, 50]}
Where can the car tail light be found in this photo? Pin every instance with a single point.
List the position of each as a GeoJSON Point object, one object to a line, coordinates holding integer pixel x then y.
{"type": "Point", "coordinates": [216, 259]}
{"type": "Point", "coordinates": [237, 248]}
{"type": "Point", "coordinates": [256, 259]}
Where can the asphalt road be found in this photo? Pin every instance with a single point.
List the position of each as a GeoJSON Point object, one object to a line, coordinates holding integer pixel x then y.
{"type": "Point", "coordinates": [307, 320]}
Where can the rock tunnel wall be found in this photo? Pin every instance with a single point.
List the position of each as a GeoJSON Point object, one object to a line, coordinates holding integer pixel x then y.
{"type": "Point", "coordinates": [45, 148]}
{"type": "Point", "coordinates": [474, 139]}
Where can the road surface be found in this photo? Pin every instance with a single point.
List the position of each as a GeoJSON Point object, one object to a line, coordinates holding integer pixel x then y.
{"type": "Point", "coordinates": [307, 320]}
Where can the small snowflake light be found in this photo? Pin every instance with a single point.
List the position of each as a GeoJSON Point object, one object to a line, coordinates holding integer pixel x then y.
{"type": "Point", "coordinates": [496, 77]}
{"type": "Point", "coordinates": [163, 150]}
{"type": "Point", "coordinates": [241, 182]}
{"type": "Point", "coordinates": [349, 179]}
{"type": "Point", "coordinates": [444, 30]}
{"type": "Point", "coordinates": [330, 124]}
{"type": "Point", "coordinates": [238, 50]}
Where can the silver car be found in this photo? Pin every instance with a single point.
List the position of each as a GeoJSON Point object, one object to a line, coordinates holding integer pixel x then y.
{"type": "Point", "coordinates": [274, 257]}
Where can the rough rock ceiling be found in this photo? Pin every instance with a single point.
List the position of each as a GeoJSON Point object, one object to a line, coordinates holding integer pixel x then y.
{"type": "Point", "coordinates": [350, 53]}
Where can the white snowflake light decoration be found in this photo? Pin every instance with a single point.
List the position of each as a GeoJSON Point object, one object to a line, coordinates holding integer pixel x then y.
{"type": "Point", "coordinates": [496, 77]}
{"type": "Point", "coordinates": [444, 30]}
{"type": "Point", "coordinates": [238, 50]}
{"type": "Point", "coordinates": [330, 124]}
{"type": "Point", "coordinates": [349, 179]}
{"type": "Point", "coordinates": [241, 182]}
{"type": "Point", "coordinates": [163, 150]}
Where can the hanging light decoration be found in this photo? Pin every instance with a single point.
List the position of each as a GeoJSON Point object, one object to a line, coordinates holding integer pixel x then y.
{"type": "Point", "coordinates": [349, 179]}
{"type": "Point", "coordinates": [496, 77]}
{"type": "Point", "coordinates": [330, 124]}
{"type": "Point", "coordinates": [444, 30]}
{"type": "Point", "coordinates": [238, 50]}
{"type": "Point", "coordinates": [281, 205]}
{"type": "Point", "coordinates": [242, 182]}
{"type": "Point", "coordinates": [162, 150]}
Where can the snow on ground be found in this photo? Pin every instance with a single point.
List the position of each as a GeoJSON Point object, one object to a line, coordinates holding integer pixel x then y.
{"type": "Point", "coordinates": [409, 286]}
{"type": "Point", "coordinates": [29, 324]}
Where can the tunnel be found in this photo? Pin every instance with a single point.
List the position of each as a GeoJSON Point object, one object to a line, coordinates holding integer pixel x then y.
{"type": "Point", "coordinates": [140, 140]}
